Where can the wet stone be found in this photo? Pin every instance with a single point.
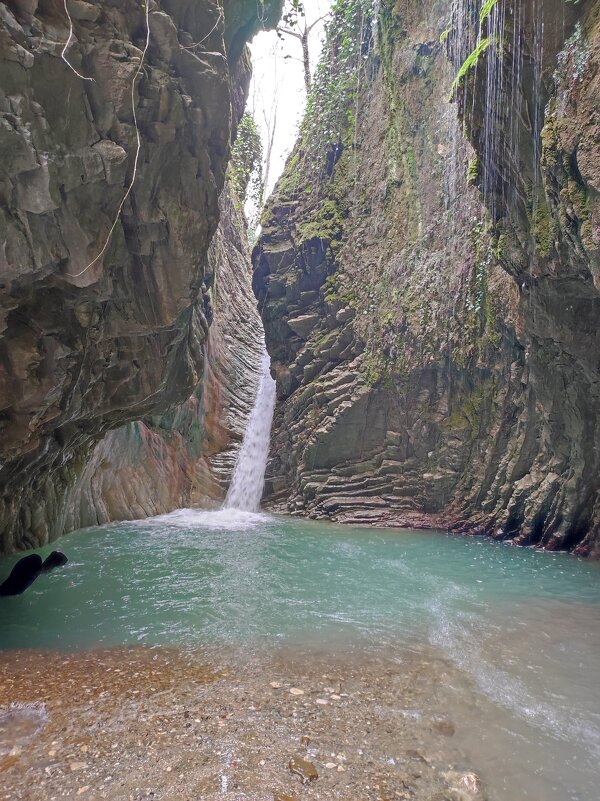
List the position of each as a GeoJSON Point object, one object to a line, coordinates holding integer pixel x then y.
{"type": "Point", "coordinates": [303, 768]}
{"type": "Point", "coordinates": [464, 786]}
{"type": "Point", "coordinates": [444, 727]}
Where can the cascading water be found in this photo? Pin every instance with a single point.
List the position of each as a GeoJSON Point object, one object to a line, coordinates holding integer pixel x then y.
{"type": "Point", "coordinates": [246, 486]}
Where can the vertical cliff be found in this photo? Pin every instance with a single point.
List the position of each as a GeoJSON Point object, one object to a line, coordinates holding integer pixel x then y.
{"type": "Point", "coordinates": [185, 456]}
{"type": "Point", "coordinates": [115, 127]}
{"type": "Point", "coordinates": [426, 372]}
{"type": "Point", "coordinates": [531, 112]}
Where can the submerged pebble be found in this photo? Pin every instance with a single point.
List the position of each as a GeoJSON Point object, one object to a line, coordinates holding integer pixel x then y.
{"type": "Point", "coordinates": [303, 768]}
{"type": "Point", "coordinates": [200, 723]}
{"type": "Point", "coordinates": [464, 786]}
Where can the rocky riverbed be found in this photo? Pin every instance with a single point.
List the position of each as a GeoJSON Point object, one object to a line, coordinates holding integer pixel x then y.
{"type": "Point", "coordinates": [162, 723]}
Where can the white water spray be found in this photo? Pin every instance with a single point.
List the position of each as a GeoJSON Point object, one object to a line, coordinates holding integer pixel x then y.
{"type": "Point", "coordinates": [245, 490]}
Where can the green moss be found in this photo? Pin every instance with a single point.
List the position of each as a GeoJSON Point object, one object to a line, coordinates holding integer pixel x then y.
{"type": "Point", "coordinates": [586, 234]}
{"type": "Point", "coordinates": [470, 61]}
{"type": "Point", "coordinates": [333, 292]}
{"type": "Point", "coordinates": [500, 245]}
{"type": "Point", "coordinates": [468, 414]}
{"type": "Point", "coordinates": [579, 198]}
{"type": "Point", "coordinates": [543, 229]}
{"type": "Point", "coordinates": [376, 370]}
{"type": "Point", "coordinates": [473, 171]}
{"type": "Point", "coordinates": [325, 222]}
{"type": "Point", "coordinates": [391, 31]}
{"type": "Point", "coordinates": [290, 182]}
{"type": "Point", "coordinates": [550, 158]}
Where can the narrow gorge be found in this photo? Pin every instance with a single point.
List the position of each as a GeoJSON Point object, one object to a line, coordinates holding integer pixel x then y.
{"type": "Point", "coordinates": [426, 272]}
{"type": "Point", "coordinates": [299, 400]}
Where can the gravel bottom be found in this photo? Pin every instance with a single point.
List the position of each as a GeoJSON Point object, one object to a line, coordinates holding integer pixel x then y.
{"type": "Point", "coordinates": [292, 723]}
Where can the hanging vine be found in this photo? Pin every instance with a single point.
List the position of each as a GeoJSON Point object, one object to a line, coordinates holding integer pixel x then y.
{"type": "Point", "coordinates": [137, 134]}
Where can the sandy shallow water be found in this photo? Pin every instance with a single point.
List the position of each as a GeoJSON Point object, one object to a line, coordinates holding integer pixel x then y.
{"type": "Point", "coordinates": [418, 655]}
{"type": "Point", "coordinates": [162, 723]}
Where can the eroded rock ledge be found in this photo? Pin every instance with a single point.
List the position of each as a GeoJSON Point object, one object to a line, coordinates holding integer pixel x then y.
{"type": "Point", "coordinates": [93, 337]}
{"type": "Point", "coordinates": [436, 350]}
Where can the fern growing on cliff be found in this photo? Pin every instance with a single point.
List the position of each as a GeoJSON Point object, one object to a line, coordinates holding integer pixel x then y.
{"type": "Point", "coordinates": [482, 45]}
{"type": "Point", "coordinates": [469, 63]}
{"type": "Point", "coordinates": [486, 9]}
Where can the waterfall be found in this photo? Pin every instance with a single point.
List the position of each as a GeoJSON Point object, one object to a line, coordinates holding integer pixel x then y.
{"type": "Point", "coordinates": [246, 486]}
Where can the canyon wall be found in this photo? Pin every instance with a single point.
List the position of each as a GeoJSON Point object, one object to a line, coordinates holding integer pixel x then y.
{"type": "Point", "coordinates": [427, 275]}
{"type": "Point", "coordinates": [114, 152]}
{"type": "Point", "coordinates": [185, 457]}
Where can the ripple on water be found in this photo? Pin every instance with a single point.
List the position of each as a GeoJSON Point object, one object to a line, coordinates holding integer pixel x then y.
{"type": "Point", "coordinates": [19, 723]}
{"type": "Point", "coordinates": [523, 626]}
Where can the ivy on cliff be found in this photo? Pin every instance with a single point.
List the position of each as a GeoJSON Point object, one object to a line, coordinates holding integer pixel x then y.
{"type": "Point", "coordinates": [330, 117]}
{"type": "Point", "coordinates": [246, 167]}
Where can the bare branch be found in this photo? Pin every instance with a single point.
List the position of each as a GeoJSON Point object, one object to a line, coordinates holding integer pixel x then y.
{"type": "Point", "coordinates": [312, 24]}
{"type": "Point", "coordinates": [288, 32]}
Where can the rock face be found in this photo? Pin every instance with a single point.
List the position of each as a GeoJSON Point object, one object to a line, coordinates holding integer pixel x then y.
{"type": "Point", "coordinates": [428, 287]}
{"type": "Point", "coordinates": [114, 152]}
{"type": "Point", "coordinates": [185, 457]}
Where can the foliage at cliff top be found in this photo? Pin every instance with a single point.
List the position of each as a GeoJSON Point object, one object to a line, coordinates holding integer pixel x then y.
{"type": "Point", "coordinates": [329, 121]}
{"type": "Point", "coordinates": [246, 165]}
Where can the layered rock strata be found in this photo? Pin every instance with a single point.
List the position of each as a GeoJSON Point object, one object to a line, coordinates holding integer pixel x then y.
{"type": "Point", "coordinates": [185, 457]}
{"type": "Point", "coordinates": [114, 140]}
{"type": "Point", "coordinates": [434, 366]}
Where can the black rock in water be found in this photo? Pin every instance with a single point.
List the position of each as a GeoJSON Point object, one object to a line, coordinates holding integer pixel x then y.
{"type": "Point", "coordinates": [55, 559]}
{"type": "Point", "coordinates": [23, 574]}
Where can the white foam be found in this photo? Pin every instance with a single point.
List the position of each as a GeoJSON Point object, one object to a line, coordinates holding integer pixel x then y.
{"type": "Point", "coordinates": [19, 723]}
{"type": "Point", "coordinates": [461, 637]}
{"type": "Point", "coordinates": [227, 519]}
{"type": "Point", "coordinates": [33, 709]}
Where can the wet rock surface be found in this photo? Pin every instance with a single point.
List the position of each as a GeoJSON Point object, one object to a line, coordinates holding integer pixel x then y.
{"type": "Point", "coordinates": [185, 457]}
{"type": "Point", "coordinates": [548, 232]}
{"type": "Point", "coordinates": [161, 723]}
{"type": "Point", "coordinates": [434, 359]}
{"type": "Point", "coordinates": [106, 286]}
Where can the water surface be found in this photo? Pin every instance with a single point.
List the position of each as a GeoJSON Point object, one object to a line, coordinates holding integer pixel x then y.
{"type": "Point", "coordinates": [523, 627]}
